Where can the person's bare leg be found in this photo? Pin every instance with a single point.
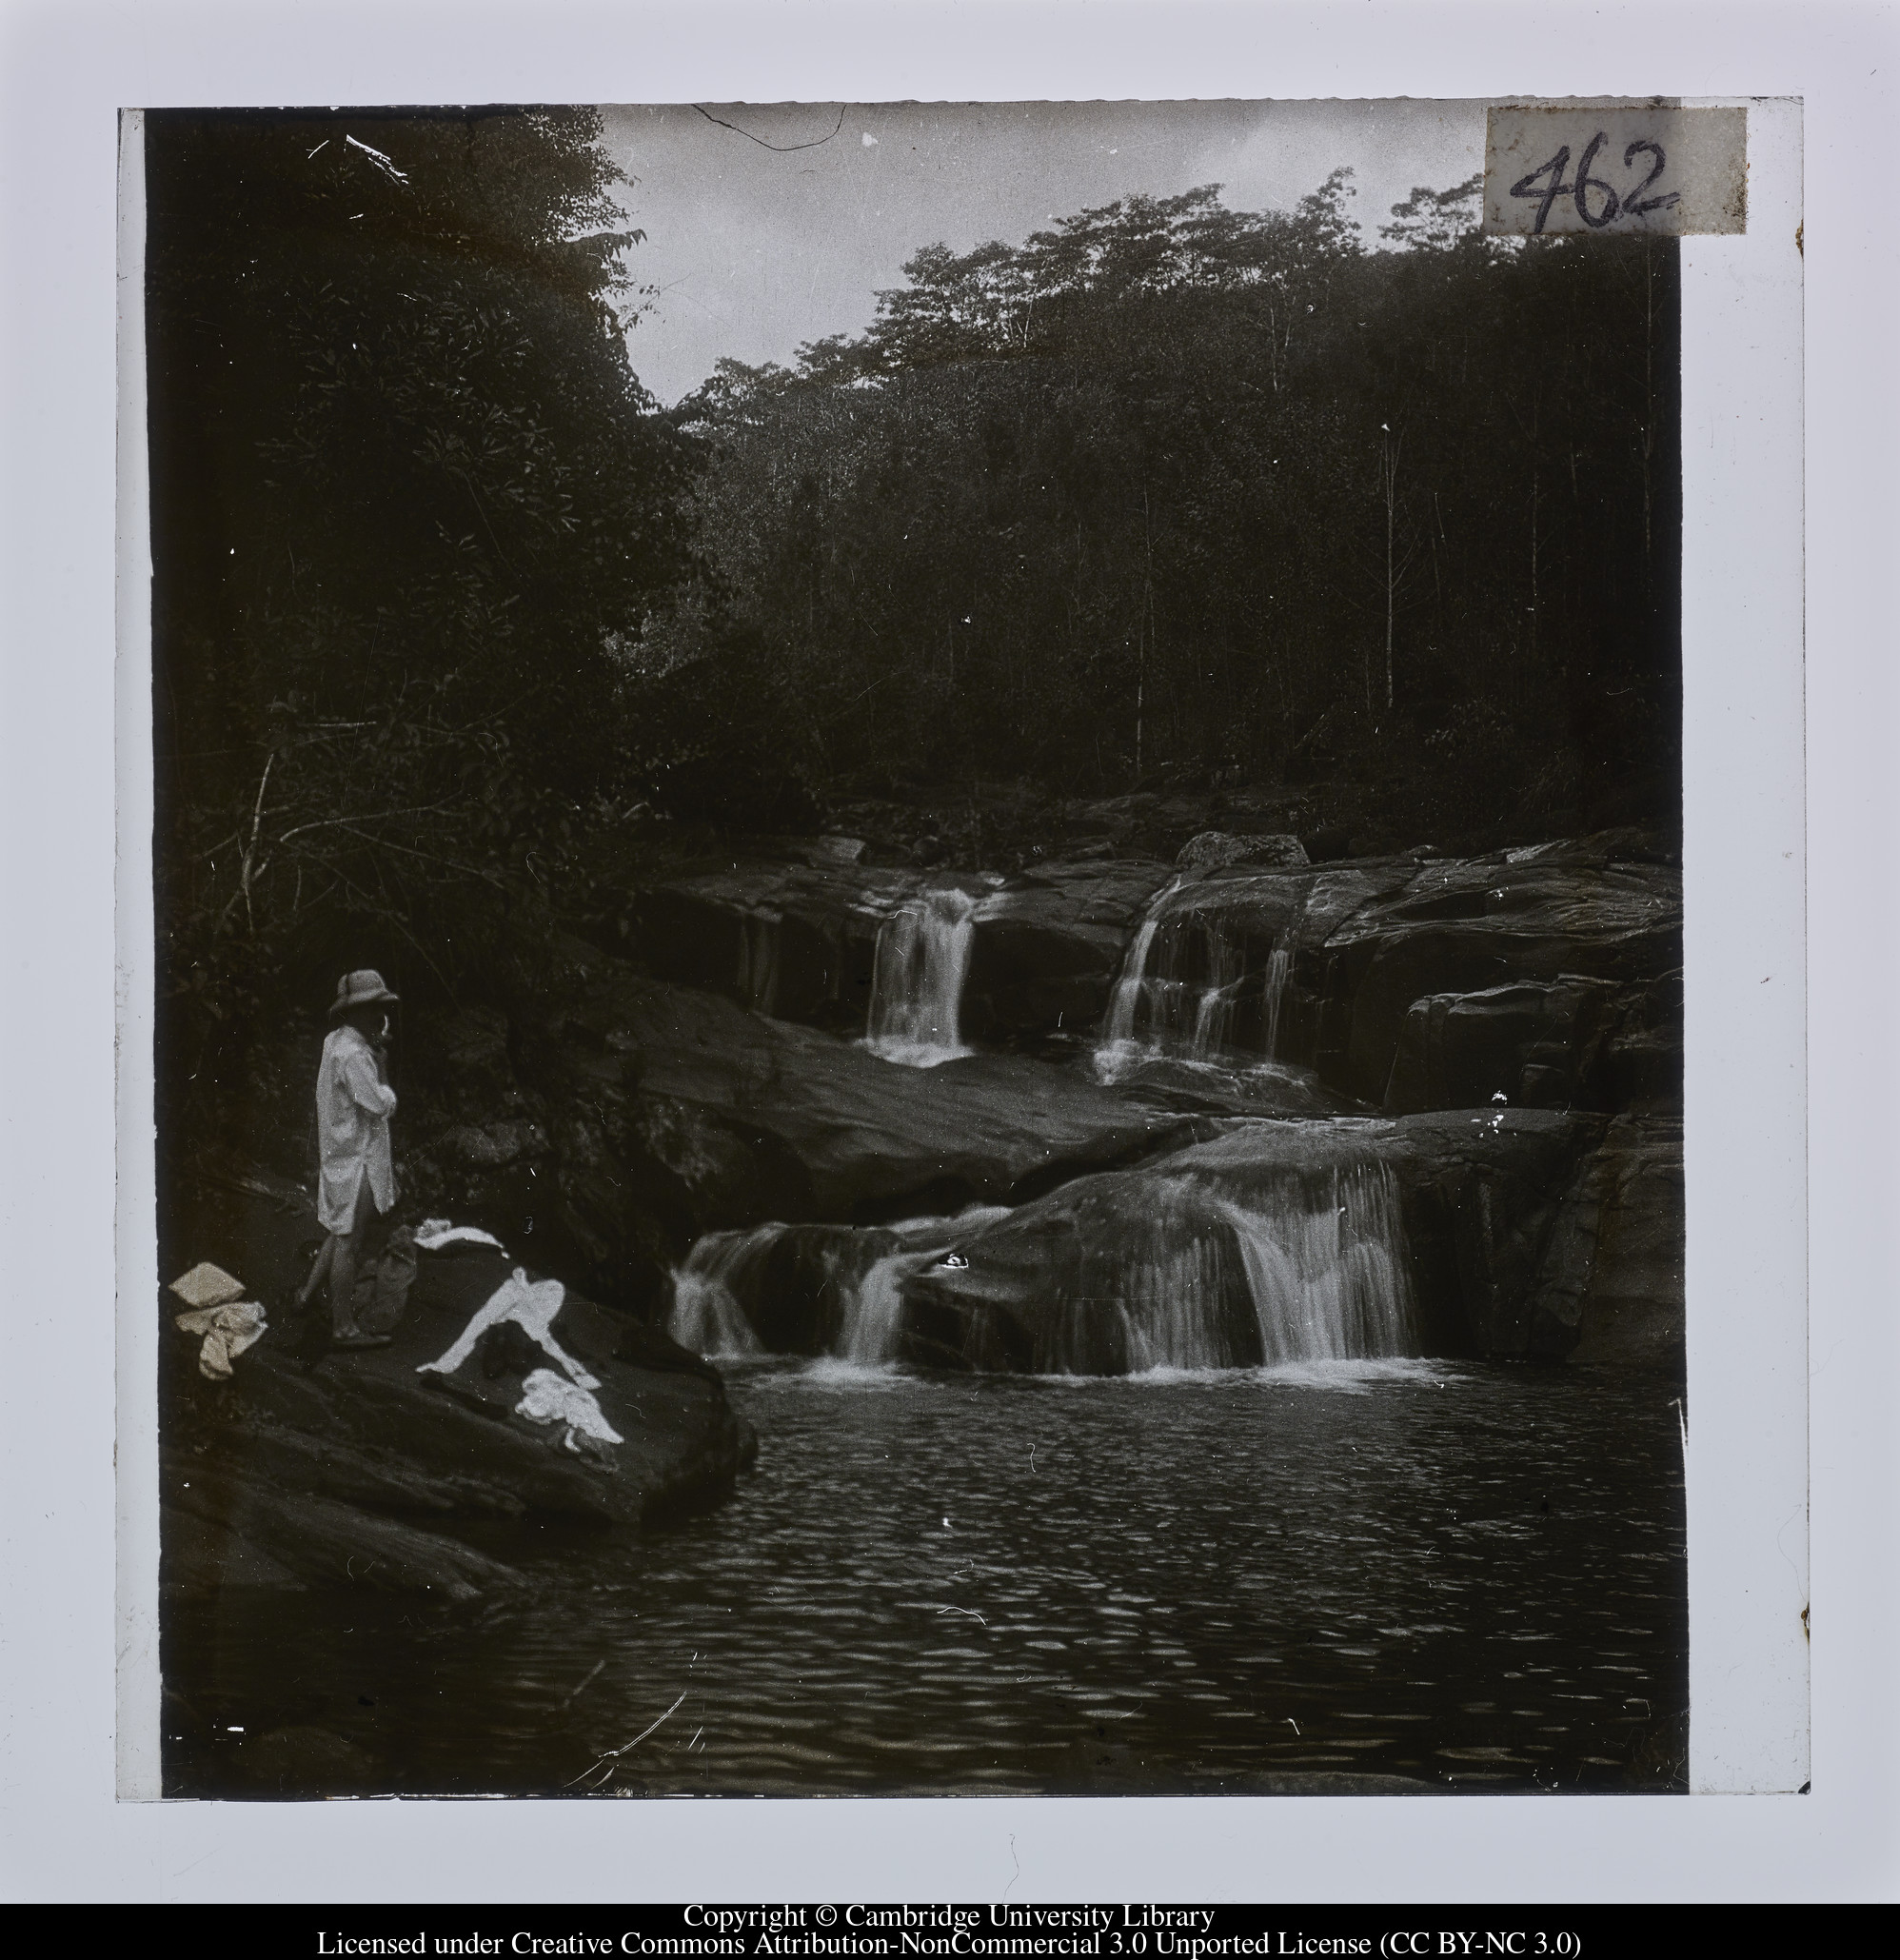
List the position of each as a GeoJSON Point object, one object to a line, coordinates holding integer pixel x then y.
{"type": "Point", "coordinates": [320, 1268]}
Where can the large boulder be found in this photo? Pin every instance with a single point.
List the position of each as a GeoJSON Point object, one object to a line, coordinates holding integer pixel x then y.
{"type": "Point", "coordinates": [1525, 1233]}
{"type": "Point", "coordinates": [821, 1129]}
{"type": "Point", "coordinates": [655, 1113]}
{"type": "Point", "coordinates": [314, 1466]}
{"type": "Point", "coordinates": [1215, 850]}
{"type": "Point", "coordinates": [1543, 1043]}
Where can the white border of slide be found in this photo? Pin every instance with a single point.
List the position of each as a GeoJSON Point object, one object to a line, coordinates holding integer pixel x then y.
{"type": "Point", "coordinates": [67, 71]}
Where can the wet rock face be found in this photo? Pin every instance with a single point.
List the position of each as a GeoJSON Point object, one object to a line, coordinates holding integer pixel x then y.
{"type": "Point", "coordinates": [852, 1136]}
{"type": "Point", "coordinates": [1361, 943]}
{"type": "Point", "coordinates": [1614, 1272]}
{"type": "Point", "coordinates": [1467, 927]}
{"type": "Point", "coordinates": [798, 943]}
{"type": "Point", "coordinates": [1540, 1044]}
{"type": "Point", "coordinates": [1368, 945]}
{"type": "Point", "coordinates": [1524, 1233]}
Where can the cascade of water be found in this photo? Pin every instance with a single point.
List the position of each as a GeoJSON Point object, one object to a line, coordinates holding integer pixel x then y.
{"type": "Point", "coordinates": [1126, 998]}
{"type": "Point", "coordinates": [917, 983]}
{"type": "Point", "coordinates": [1180, 982]}
{"type": "Point", "coordinates": [1175, 1272]}
{"type": "Point", "coordinates": [873, 1302]}
{"type": "Point", "coordinates": [1168, 1291]}
{"type": "Point", "coordinates": [1280, 963]}
{"type": "Point", "coordinates": [757, 975]}
{"type": "Point", "coordinates": [706, 1317]}
{"type": "Point", "coordinates": [872, 1307]}
{"type": "Point", "coordinates": [1328, 1268]}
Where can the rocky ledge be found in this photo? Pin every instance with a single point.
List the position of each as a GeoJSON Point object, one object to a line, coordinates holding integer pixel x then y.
{"type": "Point", "coordinates": [1527, 1234]}
{"type": "Point", "coordinates": [1362, 940]}
{"type": "Point", "coordinates": [317, 1467]}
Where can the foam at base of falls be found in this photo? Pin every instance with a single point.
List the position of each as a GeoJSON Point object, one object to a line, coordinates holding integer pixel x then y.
{"type": "Point", "coordinates": [916, 982]}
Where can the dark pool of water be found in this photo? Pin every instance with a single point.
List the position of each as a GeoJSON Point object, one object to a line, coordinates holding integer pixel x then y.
{"type": "Point", "coordinates": [1467, 1576]}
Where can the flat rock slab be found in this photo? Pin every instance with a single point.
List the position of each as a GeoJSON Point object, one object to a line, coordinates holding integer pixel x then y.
{"type": "Point", "coordinates": [321, 1466]}
{"type": "Point", "coordinates": [872, 1140]}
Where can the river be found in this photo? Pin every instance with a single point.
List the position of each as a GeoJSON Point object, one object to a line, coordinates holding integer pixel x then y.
{"type": "Point", "coordinates": [1468, 1575]}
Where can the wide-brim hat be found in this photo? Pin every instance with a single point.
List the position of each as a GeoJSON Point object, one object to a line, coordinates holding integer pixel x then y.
{"type": "Point", "coordinates": [362, 988]}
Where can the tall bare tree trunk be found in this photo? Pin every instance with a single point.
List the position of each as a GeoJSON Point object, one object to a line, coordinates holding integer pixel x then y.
{"type": "Point", "coordinates": [1388, 467]}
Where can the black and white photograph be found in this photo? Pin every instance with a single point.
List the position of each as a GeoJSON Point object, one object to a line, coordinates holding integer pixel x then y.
{"type": "Point", "coordinates": [920, 971]}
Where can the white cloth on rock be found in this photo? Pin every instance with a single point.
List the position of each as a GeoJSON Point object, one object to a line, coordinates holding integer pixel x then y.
{"type": "Point", "coordinates": [206, 1285]}
{"type": "Point", "coordinates": [550, 1397]}
{"type": "Point", "coordinates": [532, 1307]}
{"type": "Point", "coordinates": [434, 1234]}
{"type": "Point", "coordinates": [226, 1331]}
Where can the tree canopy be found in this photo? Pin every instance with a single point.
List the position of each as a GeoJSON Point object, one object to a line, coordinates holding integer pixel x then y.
{"type": "Point", "coordinates": [1166, 488]}
{"type": "Point", "coordinates": [407, 497]}
{"type": "Point", "coordinates": [1172, 484]}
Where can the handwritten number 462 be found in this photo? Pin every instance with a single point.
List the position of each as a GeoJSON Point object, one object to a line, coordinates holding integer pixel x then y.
{"type": "Point", "coordinates": [1634, 205]}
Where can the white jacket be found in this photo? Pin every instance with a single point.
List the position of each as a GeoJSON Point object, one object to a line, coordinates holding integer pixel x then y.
{"type": "Point", "coordinates": [353, 1110]}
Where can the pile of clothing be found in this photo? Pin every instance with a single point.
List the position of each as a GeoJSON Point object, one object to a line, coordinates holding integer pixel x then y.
{"type": "Point", "coordinates": [224, 1322]}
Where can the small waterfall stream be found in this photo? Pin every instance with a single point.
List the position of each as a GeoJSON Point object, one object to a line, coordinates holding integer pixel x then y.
{"type": "Point", "coordinates": [725, 1280]}
{"type": "Point", "coordinates": [706, 1316]}
{"type": "Point", "coordinates": [917, 985]}
{"type": "Point", "coordinates": [1130, 1273]}
{"type": "Point", "coordinates": [1182, 980]}
{"type": "Point", "coordinates": [1329, 1271]}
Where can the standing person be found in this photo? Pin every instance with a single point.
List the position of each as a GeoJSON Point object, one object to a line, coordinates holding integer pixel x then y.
{"type": "Point", "coordinates": [356, 1190]}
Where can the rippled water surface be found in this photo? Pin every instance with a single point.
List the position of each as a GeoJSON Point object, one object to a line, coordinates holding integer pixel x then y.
{"type": "Point", "coordinates": [1462, 1575]}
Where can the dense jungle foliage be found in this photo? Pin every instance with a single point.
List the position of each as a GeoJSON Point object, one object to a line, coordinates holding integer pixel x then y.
{"type": "Point", "coordinates": [446, 607]}
{"type": "Point", "coordinates": [1175, 486]}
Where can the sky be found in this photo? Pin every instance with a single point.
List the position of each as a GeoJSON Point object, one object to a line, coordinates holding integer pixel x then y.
{"type": "Point", "coordinates": [753, 249]}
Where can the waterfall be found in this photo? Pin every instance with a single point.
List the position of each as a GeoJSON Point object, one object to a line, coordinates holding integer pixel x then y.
{"type": "Point", "coordinates": [873, 1299]}
{"type": "Point", "coordinates": [758, 974]}
{"type": "Point", "coordinates": [1323, 1274]}
{"type": "Point", "coordinates": [1280, 963]}
{"type": "Point", "coordinates": [834, 1289]}
{"type": "Point", "coordinates": [872, 1308]}
{"type": "Point", "coordinates": [706, 1316]}
{"type": "Point", "coordinates": [1166, 1287]}
{"type": "Point", "coordinates": [1129, 1272]}
{"type": "Point", "coordinates": [917, 984]}
{"type": "Point", "coordinates": [1180, 982]}
{"type": "Point", "coordinates": [1329, 1273]}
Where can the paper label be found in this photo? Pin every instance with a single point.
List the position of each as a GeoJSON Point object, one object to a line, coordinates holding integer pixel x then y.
{"type": "Point", "coordinates": [1608, 167]}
